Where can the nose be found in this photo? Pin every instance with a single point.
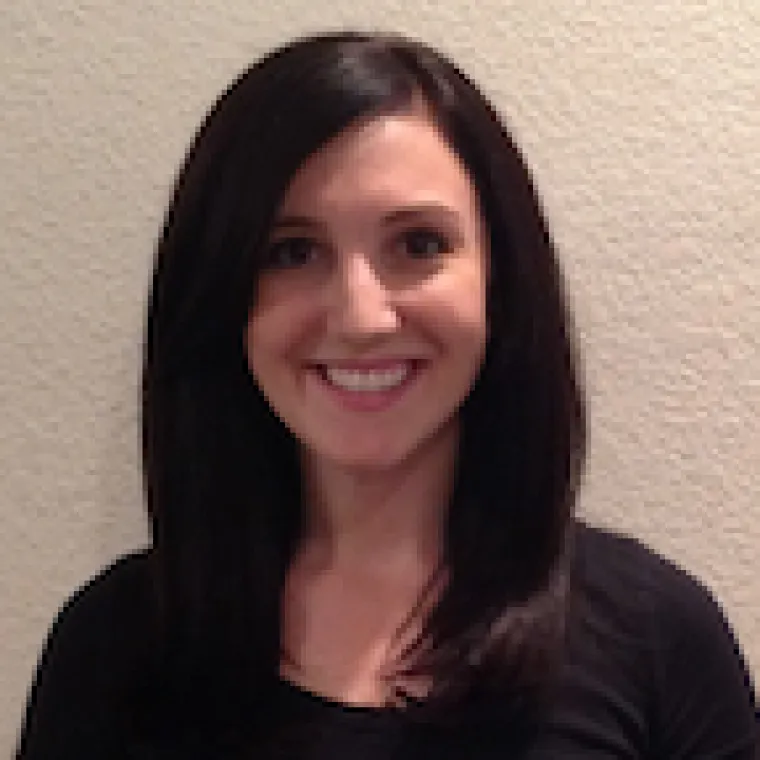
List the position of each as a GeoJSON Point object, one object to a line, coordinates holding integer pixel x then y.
{"type": "Point", "coordinates": [362, 306]}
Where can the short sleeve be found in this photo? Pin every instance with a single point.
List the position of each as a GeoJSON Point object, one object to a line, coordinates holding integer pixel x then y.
{"type": "Point", "coordinates": [76, 705]}
{"type": "Point", "coordinates": [704, 702]}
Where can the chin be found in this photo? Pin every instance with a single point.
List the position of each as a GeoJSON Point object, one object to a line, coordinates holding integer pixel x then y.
{"type": "Point", "coordinates": [368, 461]}
{"type": "Point", "coordinates": [374, 456]}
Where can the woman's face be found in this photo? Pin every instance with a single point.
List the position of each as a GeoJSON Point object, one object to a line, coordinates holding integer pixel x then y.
{"type": "Point", "coordinates": [369, 323]}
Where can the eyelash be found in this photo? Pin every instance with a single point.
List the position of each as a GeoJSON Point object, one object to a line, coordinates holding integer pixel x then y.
{"type": "Point", "coordinates": [444, 245]}
{"type": "Point", "coordinates": [275, 251]}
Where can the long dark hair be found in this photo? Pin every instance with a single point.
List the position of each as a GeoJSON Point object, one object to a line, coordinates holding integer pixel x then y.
{"type": "Point", "coordinates": [221, 472]}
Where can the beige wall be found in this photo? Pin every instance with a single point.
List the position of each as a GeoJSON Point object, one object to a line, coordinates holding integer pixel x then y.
{"type": "Point", "coordinates": [642, 121]}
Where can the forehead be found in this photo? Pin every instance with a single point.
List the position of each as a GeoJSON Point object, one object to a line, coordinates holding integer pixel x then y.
{"type": "Point", "coordinates": [387, 160]}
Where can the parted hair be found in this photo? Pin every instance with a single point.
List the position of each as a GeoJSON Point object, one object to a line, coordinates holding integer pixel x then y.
{"type": "Point", "coordinates": [221, 470]}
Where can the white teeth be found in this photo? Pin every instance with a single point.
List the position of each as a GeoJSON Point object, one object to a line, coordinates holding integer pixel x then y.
{"type": "Point", "coordinates": [367, 380]}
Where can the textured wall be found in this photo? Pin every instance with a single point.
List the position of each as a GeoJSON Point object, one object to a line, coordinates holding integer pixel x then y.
{"type": "Point", "coordinates": [642, 121]}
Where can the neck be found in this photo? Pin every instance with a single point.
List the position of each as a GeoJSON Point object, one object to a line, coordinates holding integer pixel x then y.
{"type": "Point", "coordinates": [388, 520]}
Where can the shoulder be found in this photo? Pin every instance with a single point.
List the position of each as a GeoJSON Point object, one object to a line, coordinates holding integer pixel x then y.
{"type": "Point", "coordinates": [641, 581]}
{"type": "Point", "coordinates": [89, 664]}
{"type": "Point", "coordinates": [122, 578]}
{"type": "Point", "coordinates": [116, 598]}
{"type": "Point", "coordinates": [691, 670]}
{"type": "Point", "coordinates": [622, 563]}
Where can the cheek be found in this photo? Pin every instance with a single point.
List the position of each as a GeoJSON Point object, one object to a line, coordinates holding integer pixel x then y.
{"type": "Point", "coordinates": [455, 312]}
{"type": "Point", "coordinates": [274, 333]}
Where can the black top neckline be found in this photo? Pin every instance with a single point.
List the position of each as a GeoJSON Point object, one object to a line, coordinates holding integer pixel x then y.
{"type": "Point", "coordinates": [311, 700]}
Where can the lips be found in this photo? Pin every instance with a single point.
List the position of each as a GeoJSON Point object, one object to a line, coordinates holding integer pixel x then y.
{"type": "Point", "coordinates": [368, 385]}
{"type": "Point", "coordinates": [367, 365]}
{"type": "Point", "coordinates": [368, 380]}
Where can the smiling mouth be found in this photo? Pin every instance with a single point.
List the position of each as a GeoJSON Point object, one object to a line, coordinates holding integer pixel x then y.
{"type": "Point", "coordinates": [378, 379]}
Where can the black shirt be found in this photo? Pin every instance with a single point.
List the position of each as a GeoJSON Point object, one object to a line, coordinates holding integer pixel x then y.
{"type": "Point", "coordinates": [652, 671]}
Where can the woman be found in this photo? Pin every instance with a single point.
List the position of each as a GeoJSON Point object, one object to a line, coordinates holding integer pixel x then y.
{"type": "Point", "coordinates": [363, 435]}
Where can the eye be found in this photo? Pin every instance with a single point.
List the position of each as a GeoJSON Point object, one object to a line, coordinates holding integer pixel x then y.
{"type": "Point", "coordinates": [423, 243]}
{"type": "Point", "coordinates": [290, 253]}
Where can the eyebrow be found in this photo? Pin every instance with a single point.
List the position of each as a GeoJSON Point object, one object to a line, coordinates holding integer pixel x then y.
{"type": "Point", "coordinates": [397, 215]}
